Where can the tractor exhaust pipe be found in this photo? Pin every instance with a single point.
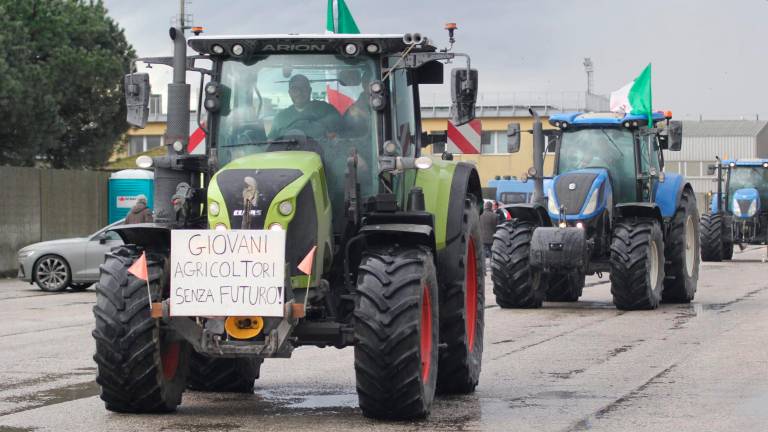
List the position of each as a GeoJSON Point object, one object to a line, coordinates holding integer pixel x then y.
{"type": "Point", "coordinates": [178, 96]}
{"type": "Point", "coordinates": [719, 184]}
{"type": "Point", "coordinates": [538, 158]}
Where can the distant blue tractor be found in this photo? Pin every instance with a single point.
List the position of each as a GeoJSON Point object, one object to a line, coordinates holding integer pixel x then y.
{"type": "Point", "coordinates": [610, 208]}
{"type": "Point", "coordinates": [511, 190]}
{"type": "Point", "coordinates": [738, 212]}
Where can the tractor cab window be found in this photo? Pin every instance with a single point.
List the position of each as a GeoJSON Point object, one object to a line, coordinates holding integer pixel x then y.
{"type": "Point", "coordinates": [404, 127]}
{"type": "Point", "coordinates": [609, 148]}
{"type": "Point", "coordinates": [742, 177]}
{"type": "Point", "coordinates": [301, 102]}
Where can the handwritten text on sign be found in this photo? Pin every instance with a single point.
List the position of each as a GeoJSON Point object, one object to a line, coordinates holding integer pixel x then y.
{"type": "Point", "coordinates": [227, 273]}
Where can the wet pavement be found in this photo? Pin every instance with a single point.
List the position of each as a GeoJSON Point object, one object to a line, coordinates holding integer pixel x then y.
{"type": "Point", "coordinates": [565, 367]}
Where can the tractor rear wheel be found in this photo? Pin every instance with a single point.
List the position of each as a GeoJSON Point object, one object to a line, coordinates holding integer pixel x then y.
{"type": "Point", "coordinates": [142, 366]}
{"type": "Point", "coordinates": [462, 307]}
{"type": "Point", "coordinates": [682, 253]}
{"type": "Point", "coordinates": [515, 283]}
{"type": "Point", "coordinates": [637, 264]}
{"type": "Point", "coordinates": [397, 331]}
{"type": "Point", "coordinates": [213, 374]}
{"type": "Point", "coordinates": [711, 237]}
{"type": "Point", "coordinates": [565, 287]}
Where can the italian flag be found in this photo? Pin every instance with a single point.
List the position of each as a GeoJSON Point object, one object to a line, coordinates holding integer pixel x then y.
{"type": "Point", "coordinates": [635, 97]}
{"type": "Point", "coordinates": [340, 97]}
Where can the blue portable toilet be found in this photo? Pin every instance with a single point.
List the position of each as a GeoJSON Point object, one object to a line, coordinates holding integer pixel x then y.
{"type": "Point", "coordinates": [124, 189]}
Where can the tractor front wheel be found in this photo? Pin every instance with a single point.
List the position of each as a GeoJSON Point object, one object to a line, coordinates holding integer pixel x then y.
{"type": "Point", "coordinates": [637, 264]}
{"type": "Point", "coordinates": [711, 238]}
{"type": "Point", "coordinates": [682, 252]}
{"type": "Point", "coordinates": [565, 287]}
{"type": "Point", "coordinates": [213, 374]}
{"type": "Point", "coordinates": [142, 366]}
{"type": "Point", "coordinates": [397, 332]}
{"type": "Point", "coordinates": [462, 307]}
{"type": "Point", "coordinates": [515, 283]}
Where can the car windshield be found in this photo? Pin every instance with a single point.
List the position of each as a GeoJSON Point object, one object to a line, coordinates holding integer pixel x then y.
{"type": "Point", "coordinates": [315, 102]}
{"type": "Point", "coordinates": [610, 148]}
{"type": "Point", "coordinates": [742, 177]}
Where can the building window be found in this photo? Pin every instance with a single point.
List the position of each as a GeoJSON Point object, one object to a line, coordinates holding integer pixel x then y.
{"type": "Point", "coordinates": [693, 169]}
{"type": "Point", "coordinates": [135, 145]}
{"type": "Point", "coordinates": [155, 105]}
{"type": "Point", "coordinates": [152, 142]}
{"type": "Point", "coordinates": [672, 167]}
{"type": "Point", "coordinates": [487, 143]}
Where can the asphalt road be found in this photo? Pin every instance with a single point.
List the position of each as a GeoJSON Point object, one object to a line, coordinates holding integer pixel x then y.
{"type": "Point", "coordinates": [566, 367]}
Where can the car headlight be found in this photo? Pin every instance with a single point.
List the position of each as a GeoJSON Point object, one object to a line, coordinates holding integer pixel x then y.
{"type": "Point", "coordinates": [26, 254]}
{"type": "Point", "coordinates": [752, 209]}
{"type": "Point", "coordinates": [592, 203]}
{"type": "Point", "coordinates": [551, 203]}
{"type": "Point", "coordinates": [736, 208]}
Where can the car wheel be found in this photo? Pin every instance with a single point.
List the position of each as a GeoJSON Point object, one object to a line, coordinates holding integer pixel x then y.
{"type": "Point", "coordinates": [52, 273]}
{"type": "Point", "coordinates": [80, 286]}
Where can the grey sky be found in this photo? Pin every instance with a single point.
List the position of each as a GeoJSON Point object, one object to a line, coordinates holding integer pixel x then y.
{"type": "Point", "coordinates": [709, 57]}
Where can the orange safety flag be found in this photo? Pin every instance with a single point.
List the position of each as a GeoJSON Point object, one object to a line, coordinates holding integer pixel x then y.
{"type": "Point", "coordinates": [139, 268]}
{"type": "Point", "coordinates": [306, 264]}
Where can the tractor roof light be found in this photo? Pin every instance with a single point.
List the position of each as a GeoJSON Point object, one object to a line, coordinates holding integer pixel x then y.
{"type": "Point", "coordinates": [531, 172]}
{"type": "Point", "coordinates": [390, 148]}
{"type": "Point", "coordinates": [217, 49]}
{"type": "Point", "coordinates": [667, 115]}
{"type": "Point", "coordinates": [351, 49]}
{"type": "Point", "coordinates": [765, 164]}
{"type": "Point", "coordinates": [732, 164]}
{"type": "Point", "coordinates": [178, 146]}
{"type": "Point", "coordinates": [627, 124]}
{"type": "Point", "coordinates": [372, 48]}
{"type": "Point", "coordinates": [144, 161]}
{"type": "Point", "coordinates": [237, 50]}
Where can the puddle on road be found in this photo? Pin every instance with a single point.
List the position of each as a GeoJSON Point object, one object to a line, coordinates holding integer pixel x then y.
{"type": "Point", "coordinates": [44, 379]}
{"type": "Point", "coordinates": [52, 396]}
{"type": "Point", "coordinates": [15, 429]}
{"type": "Point", "coordinates": [309, 400]}
{"type": "Point", "coordinates": [200, 427]}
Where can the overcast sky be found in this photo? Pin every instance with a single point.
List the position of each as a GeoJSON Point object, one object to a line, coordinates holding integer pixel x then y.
{"type": "Point", "coordinates": [709, 57]}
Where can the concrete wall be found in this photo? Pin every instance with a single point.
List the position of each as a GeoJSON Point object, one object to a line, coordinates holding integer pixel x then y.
{"type": "Point", "coordinates": [38, 205]}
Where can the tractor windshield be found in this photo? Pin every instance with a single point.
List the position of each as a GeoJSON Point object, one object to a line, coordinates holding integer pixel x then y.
{"type": "Point", "coordinates": [308, 102]}
{"type": "Point", "coordinates": [742, 177]}
{"type": "Point", "coordinates": [609, 148]}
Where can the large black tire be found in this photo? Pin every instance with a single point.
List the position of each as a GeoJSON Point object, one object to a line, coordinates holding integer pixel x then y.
{"type": "Point", "coordinates": [711, 237]}
{"type": "Point", "coordinates": [462, 307]}
{"type": "Point", "coordinates": [637, 251]}
{"type": "Point", "coordinates": [515, 283]}
{"type": "Point", "coordinates": [727, 250]}
{"type": "Point", "coordinates": [212, 374]}
{"type": "Point", "coordinates": [681, 252]}
{"type": "Point", "coordinates": [565, 287]}
{"type": "Point", "coordinates": [397, 332]}
{"type": "Point", "coordinates": [142, 367]}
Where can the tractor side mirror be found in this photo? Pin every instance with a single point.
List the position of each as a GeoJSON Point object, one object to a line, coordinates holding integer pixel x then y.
{"type": "Point", "coordinates": [513, 137]}
{"type": "Point", "coordinates": [675, 135]}
{"type": "Point", "coordinates": [137, 91]}
{"type": "Point", "coordinates": [711, 169]}
{"type": "Point", "coordinates": [463, 95]}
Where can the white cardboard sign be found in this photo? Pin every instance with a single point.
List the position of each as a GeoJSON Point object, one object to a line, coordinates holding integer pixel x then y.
{"type": "Point", "coordinates": [227, 273]}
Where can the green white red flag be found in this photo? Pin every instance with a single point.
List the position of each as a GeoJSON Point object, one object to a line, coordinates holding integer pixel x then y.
{"type": "Point", "coordinates": [635, 97]}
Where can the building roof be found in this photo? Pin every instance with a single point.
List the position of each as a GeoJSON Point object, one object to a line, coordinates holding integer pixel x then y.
{"type": "Point", "coordinates": [723, 128]}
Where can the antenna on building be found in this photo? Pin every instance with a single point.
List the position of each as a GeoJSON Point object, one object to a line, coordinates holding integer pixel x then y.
{"type": "Point", "coordinates": [589, 68]}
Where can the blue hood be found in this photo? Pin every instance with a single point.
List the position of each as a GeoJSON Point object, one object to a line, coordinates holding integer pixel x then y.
{"type": "Point", "coordinates": [745, 203]}
{"type": "Point", "coordinates": [571, 191]}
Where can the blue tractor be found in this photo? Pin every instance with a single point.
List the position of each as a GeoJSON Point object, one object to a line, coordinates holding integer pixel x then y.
{"type": "Point", "coordinates": [609, 209]}
{"type": "Point", "coordinates": [738, 213]}
{"type": "Point", "coordinates": [512, 190]}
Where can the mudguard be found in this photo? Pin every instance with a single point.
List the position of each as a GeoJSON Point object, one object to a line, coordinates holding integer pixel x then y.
{"type": "Point", "coordinates": [643, 210]}
{"type": "Point", "coordinates": [534, 213]}
{"type": "Point", "coordinates": [668, 193]}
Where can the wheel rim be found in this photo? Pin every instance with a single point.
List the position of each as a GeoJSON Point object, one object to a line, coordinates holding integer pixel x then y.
{"type": "Point", "coordinates": [471, 290]}
{"type": "Point", "coordinates": [654, 270]}
{"type": "Point", "coordinates": [690, 245]}
{"type": "Point", "coordinates": [170, 360]}
{"type": "Point", "coordinates": [426, 335]}
{"type": "Point", "coordinates": [52, 273]}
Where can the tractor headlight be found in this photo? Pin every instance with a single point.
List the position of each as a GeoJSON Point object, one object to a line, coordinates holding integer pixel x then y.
{"type": "Point", "coordinates": [736, 208]}
{"type": "Point", "coordinates": [551, 203]}
{"type": "Point", "coordinates": [592, 203]}
{"type": "Point", "coordinates": [213, 208]}
{"type": "Point", "coordinates": [285, 208]}
{"type": "Point", "coordinates": [752, 209]}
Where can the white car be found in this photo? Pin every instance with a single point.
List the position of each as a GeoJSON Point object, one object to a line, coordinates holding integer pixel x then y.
{"type": "Point", "coordinates": [57, 264]}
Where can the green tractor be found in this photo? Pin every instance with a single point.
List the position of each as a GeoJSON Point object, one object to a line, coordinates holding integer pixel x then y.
{"type": "Point", "coordinates": [312, 219]}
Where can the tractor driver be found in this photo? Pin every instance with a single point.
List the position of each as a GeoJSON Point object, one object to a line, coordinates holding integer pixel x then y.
{"type": "Point", "coordinates": [317, 119]}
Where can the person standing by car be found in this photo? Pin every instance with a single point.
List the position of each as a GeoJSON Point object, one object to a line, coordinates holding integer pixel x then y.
{"type": "Point", "coordinates": [488, 221]}
{"type": "Point", "coordinates": [139, 213]}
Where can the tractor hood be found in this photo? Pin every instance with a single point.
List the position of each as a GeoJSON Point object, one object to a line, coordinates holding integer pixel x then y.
{"type": "Point", "coordinates": [581, 194]}
{"type": "Point", "coordinates": [745, 203]}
